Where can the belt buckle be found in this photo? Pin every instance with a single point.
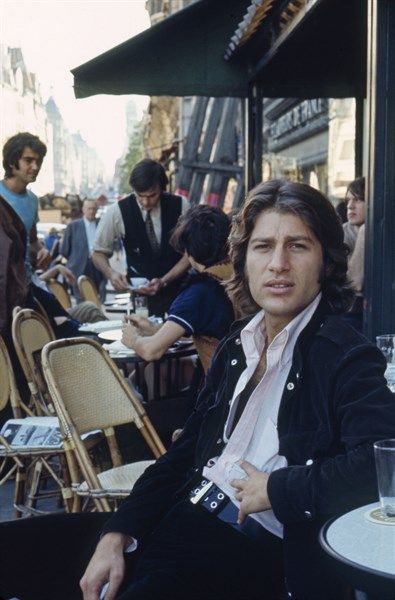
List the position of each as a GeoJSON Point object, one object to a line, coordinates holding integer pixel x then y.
{"type": "Point", "coordinates": [198, 493]}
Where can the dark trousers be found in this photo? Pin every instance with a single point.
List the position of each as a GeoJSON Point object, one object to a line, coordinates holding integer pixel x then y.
{"type": "Point", "coordinates": [190, 555]}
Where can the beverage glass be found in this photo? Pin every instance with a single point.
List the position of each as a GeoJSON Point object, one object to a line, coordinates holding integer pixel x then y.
{"type": "Point", "coordinates": [386, 343]}
{"type": "Point", "coordinates": [384, 454]}
{"type": "Point", "coordinates": [141, 306]}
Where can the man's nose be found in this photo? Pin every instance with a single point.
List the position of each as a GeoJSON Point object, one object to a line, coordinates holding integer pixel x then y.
{"type": "Point", "coordinates": [279, 260]}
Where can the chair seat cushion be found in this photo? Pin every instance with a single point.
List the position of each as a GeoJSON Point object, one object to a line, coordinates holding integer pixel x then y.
{"type": "Point", "coordinates": [119, 480]}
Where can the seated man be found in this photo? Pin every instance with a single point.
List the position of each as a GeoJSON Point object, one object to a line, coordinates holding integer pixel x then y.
{"type": "Point", "coordinates": [283, 434]}
{"type": "Point", "coordinates": [202, 309]}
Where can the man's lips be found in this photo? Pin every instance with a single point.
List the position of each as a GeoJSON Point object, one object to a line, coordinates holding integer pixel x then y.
{"type": "Point", "coordinates": [279, 286]}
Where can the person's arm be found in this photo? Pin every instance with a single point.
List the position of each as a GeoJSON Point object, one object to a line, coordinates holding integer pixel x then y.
{"type": "Point", "coordinates": [43, 257]}
{"type": "Point", "coordinates": [110, 227]}
{"type": "Point", "coordinates": [151, 347]}
{"type": "Point", "coordinates": [363, 411]}
{"type": "Point", "coordinates": [143, 325]}
{"type": "Point", "coordinates": [118, 280]}
{"type": "Point", "coordinates": [356, 263]}
{"type": "Point", "coordinates": [59, 270]}
{"type": "Point", "coordinates": [158, 283]}
{"type": "Point", "coordinates": [65, 249]}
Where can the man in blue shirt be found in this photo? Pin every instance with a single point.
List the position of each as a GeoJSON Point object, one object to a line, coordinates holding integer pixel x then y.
{"type": "Point", "coordinates": [23, 155]}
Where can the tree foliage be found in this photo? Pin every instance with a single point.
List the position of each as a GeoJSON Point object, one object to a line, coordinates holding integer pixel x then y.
{"type": "Point", "coordinates": [134, 154]}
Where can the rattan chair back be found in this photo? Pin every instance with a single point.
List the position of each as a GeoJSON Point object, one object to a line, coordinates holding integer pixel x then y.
{"type": "Point", "coordinates": [8, 389]}
{"type": "Point", "coordinates": [89, 393]}
{"type": "Point", "coordinates": [88, 290]}
{"type": "Point", "coordinates": [30, 332]}
{"type": "Point", "coordinates": [60, 293]}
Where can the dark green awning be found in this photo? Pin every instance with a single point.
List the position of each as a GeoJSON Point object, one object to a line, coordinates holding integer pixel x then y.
{"type": "Point", "coordinates": [180, 56]}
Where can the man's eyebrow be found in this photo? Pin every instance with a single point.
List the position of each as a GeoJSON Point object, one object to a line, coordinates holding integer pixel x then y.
{"type": "Point", "coordinates": [288, 238]}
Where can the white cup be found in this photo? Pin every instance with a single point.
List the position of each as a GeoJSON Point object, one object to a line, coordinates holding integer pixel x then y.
{"type": "Point", "coordinates": [138, 282]}
{"type": "Point", "coordinates": [386, 343]}
{"type": "Point", "coordinates": [384, 454]}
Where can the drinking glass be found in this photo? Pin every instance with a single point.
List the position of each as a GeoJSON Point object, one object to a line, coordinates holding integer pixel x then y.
{"type": "Point", "coordinates": [386, 343]}
{"type": "Point", "coordinates": [141, 306]}
{"type": "Point", "coordinates": [384, 454]}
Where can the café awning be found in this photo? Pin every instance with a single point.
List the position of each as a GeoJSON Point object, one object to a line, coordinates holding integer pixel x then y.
{"type": "Point", "coordinates": [180, 56]}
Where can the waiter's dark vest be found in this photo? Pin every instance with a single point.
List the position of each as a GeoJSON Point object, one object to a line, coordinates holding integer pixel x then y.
{"type": "Point", "coordinates": [139, 254]}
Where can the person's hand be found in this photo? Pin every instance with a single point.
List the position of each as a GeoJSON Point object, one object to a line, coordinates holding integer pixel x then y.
{"type": "Point", "coordinates": [43, 258]}
{"type": "Point", "coordinates": [143, 325]}
{"type": "Point", "coordinates": [129, 335]}
{"type": "Point", "coordinates": [251, 492]}
{"type": "Point", "coordinates": [67, 274]}
{"type": "Point", "coordinates": [119, 281]}
{"type": "Point", "coordinates": [152, 287]}
{"type": "Point", "coordinates": [107, 564]}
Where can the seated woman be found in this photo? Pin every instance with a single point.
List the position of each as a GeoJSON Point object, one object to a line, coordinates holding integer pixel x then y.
{"type": "Point", "coordinates": [202, 309]}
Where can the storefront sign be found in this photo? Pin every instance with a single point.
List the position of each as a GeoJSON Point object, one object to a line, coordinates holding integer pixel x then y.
{"type": "Point", "coordinates": [299, 116]}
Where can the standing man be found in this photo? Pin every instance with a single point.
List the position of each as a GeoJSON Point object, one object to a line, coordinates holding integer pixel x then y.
{"type": "Point", "coordinates": [23, 155]}
{"type": "Point", "coordinates": [283, 434]}
{"type": "Point", "coordinates": [77, 247]}
{"type": "Point", "coordinates": [144, 220]}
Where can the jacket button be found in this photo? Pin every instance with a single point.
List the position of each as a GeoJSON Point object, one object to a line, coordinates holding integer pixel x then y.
{"type": "Point", "coordinates": [238, 341]}
{"type": "Point", "coordinates": [290, 386]}
{"type": "Point", "coordinates": [308, 514]}
{"type": "Point", "coordinates": [219, 441]}
{"type": "Point", "coordinates": [233, 362]}
{"type": "Point", "coordinates": [309, 462]}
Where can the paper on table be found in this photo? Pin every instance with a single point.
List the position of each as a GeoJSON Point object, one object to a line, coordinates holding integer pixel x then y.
{"type": "Point", "coordinates": [118, 348]}
{"type": "Point", "coordinates": [100, 326]}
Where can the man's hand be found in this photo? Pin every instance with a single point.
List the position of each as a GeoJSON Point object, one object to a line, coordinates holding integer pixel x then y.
{"type": "Point", "coordinates": [144, 326]}
{"type": "Point", "coordinates": [67, 274]}
{"type": "Point", "coordinates": [152, 287]}
{"type": "Point", "coordinates": [107, 564]}
{"type": "Point", "coordinates": [129, 335]}
{"type": "Point", "coordinates": [43, 258]}
{"type": "Point", "coordinates": [119, 281]}
{"type": "Point", "coordinates": [251, 492]}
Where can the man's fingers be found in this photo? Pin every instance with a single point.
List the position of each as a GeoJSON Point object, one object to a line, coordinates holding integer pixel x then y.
{"type": "Point", "coordinates": [241, 516]}
{"type": "Point", "coordinates": [247, 467]}
{"type": "Point", "coordinates": [238, 483]}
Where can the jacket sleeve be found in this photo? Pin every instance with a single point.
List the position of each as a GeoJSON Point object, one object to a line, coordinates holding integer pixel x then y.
{"type": "Point", "coordinates": [155, 491]}
{"type": "Point", "coordinates": [363, 412]}
{"type": "Point", "coordinates": [66, 243]}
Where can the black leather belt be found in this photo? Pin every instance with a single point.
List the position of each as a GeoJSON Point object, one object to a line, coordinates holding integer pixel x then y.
{"type": "Point", "coordinates": [210, 497]}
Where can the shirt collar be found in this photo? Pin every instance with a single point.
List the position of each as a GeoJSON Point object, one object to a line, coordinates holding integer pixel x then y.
{"type": "Point", "coordinates": [253, 335]}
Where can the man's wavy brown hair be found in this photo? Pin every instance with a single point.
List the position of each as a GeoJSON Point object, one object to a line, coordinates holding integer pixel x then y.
{"type": "Point", "coordinates": [315, 210]}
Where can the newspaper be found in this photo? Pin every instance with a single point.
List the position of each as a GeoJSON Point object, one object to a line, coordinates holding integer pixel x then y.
{"type": "Point", "coordinates": [32, 432]}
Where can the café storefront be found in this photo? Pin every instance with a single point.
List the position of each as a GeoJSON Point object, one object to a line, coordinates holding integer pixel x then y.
{"type": "Point", "coordinates": [318, 57]}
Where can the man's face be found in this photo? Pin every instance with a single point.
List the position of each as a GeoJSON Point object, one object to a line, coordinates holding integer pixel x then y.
{"type": "Point", "coordinates": [149, 198]}
{"type": "Point", "coordinates": [28, 168]}
{"type": "Point", "coordinates": [284, 263]}
{"type": "Point", "coordinates": [355, 210]}
{"type": "Point", "coordinates": [89, 210]}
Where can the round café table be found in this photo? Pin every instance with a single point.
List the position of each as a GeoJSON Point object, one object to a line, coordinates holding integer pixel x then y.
{"type": "Point", "coordinates": [364, 551]}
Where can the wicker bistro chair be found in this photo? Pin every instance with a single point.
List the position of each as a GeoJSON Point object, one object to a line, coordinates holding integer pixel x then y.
{"type": "Point", "coordinates": [60, 292]}
{"type": "Point", "coordinates": [90, 393]}
{"type": "Point", "coordinates": [88, 290]}
{"type": "Point", "coordinates": [30, 332]}
{"type": "Point", "coordinates": [22, 453]}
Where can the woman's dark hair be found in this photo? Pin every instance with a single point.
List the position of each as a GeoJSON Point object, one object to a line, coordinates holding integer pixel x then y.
{"type": "Point", "coordinates": [146, 174]}
{"type": "Point", "coordinates": [315, 210]}
{"type": "Point", "coordinates": [14, 146]}
{"type": "Point", "coordinates": [357, 188]}
{"type": "Point", "coordinates": [203, 233]}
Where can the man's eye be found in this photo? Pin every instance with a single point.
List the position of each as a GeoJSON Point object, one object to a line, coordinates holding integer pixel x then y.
{"type": "Point", "coordinates": [297, 246]}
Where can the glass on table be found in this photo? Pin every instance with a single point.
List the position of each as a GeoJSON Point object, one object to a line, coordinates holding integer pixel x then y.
{"type": "Point", "coordinates": [141, 306]}
{"type": "Point", "coordinates": [386, 343]}
{"type": "Point", "coordinates": [384, 454]}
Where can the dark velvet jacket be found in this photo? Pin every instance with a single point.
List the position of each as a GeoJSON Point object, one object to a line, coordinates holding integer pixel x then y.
{"type": "Point", "coordinates": [335, 404]}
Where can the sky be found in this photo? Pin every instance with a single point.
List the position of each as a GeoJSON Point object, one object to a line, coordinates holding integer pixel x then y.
{"type": "Point", "coordinates": [58, 35]}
